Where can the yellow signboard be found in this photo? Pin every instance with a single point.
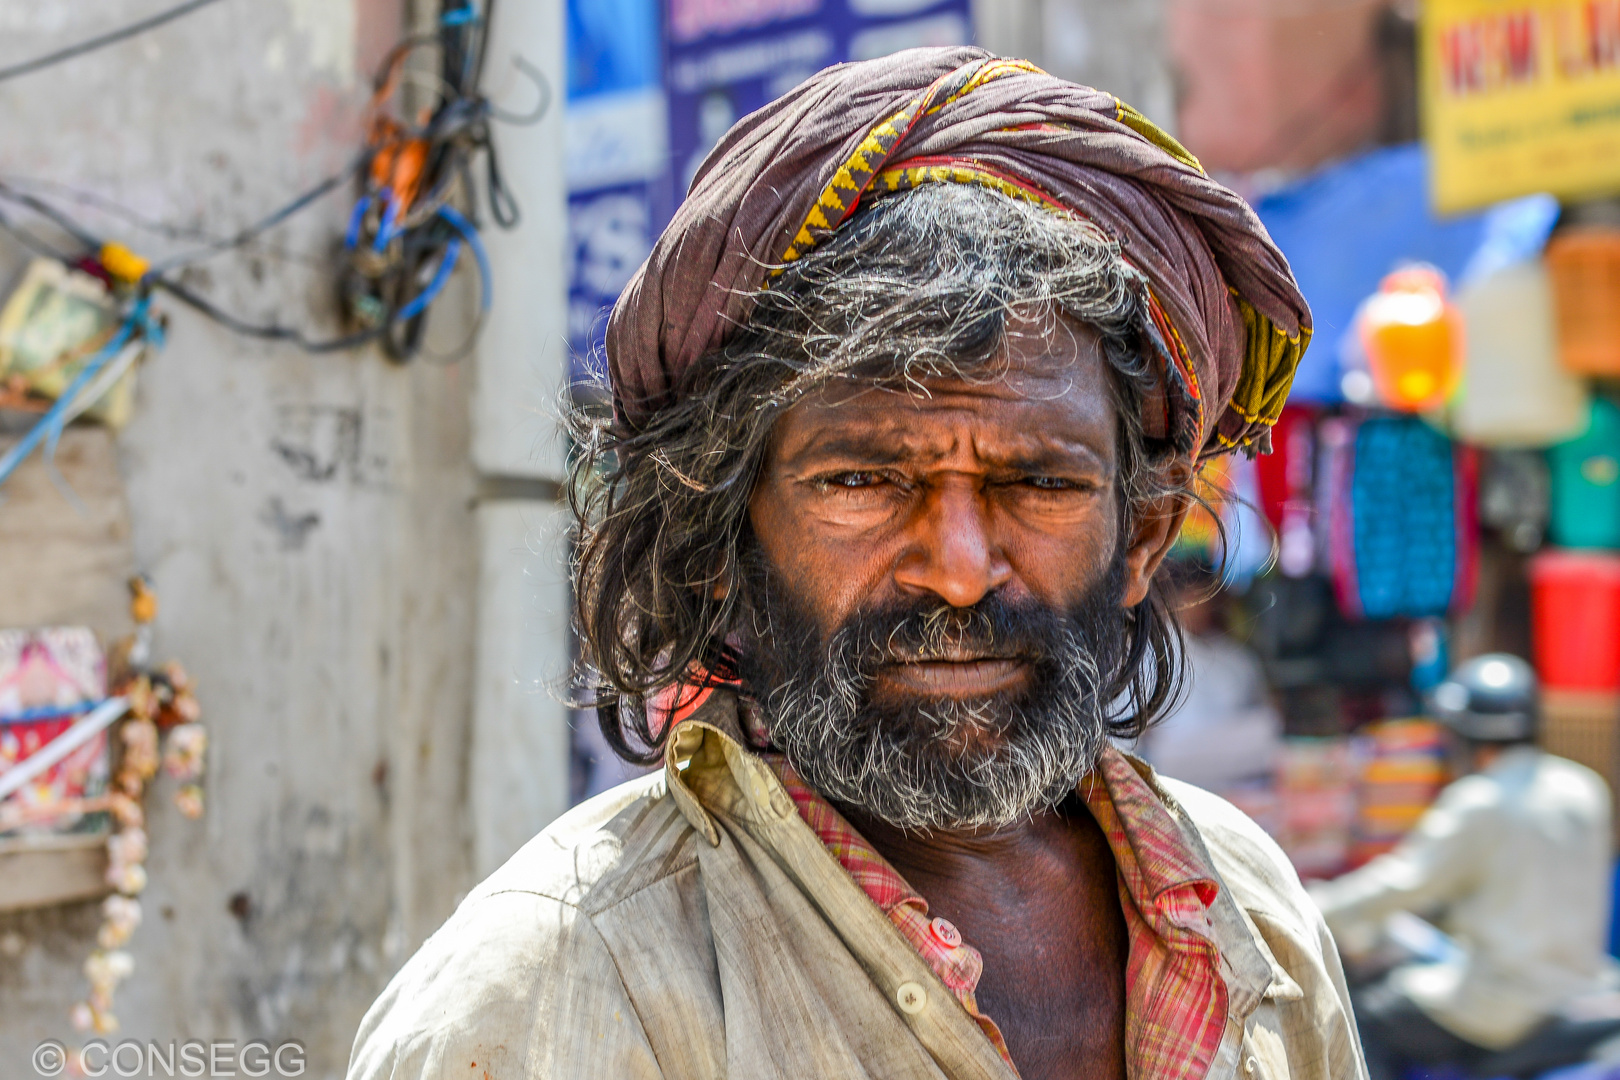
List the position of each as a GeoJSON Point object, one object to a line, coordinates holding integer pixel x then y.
{"type": "Point", "coordinates": [1520, 96]}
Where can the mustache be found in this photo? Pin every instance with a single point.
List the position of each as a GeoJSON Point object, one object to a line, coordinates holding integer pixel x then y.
{"type": "Point", "coordinates": [997, 627]}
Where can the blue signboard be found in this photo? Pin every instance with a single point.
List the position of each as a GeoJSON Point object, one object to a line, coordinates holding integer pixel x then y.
{"type": "Point", "coordinates": [726, 58]}
{"type": "Point", "coordinates": [617, 160]}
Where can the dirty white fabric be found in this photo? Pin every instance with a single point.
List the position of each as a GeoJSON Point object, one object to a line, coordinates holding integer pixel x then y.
{"type": "Point", "coordinates": [690, 925]}
{"type": "Point", "coordinates": [1514, 863]}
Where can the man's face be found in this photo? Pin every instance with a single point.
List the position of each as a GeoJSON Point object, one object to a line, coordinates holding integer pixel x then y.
{"type": "Point", "coordinates": [940, 582]}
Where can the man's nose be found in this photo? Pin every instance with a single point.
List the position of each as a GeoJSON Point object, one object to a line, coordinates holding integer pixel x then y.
{"type": "Point", "coordinates": [953, 551]}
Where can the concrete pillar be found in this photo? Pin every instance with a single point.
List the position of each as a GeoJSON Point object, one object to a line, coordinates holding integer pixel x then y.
{"type": "Point", "coordinates": [522, 356]}
{"type": "Point", "coordinates": [519, 773]}
{"type": "Point", "coordinates": [520, 751]}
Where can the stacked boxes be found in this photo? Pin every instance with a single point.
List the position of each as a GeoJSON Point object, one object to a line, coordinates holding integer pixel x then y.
{"type": "Point", "coordinates": [1401, 767]}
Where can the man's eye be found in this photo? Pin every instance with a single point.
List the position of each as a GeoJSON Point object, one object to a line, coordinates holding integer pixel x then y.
{"type": "Point", "coordinates": [1048, 483]}
{"type": "Point", "coordinates": [854, 479]}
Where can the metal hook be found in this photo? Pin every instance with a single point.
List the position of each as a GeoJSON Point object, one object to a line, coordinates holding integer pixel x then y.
{"type": "Point", "coordinates": [541, 107]}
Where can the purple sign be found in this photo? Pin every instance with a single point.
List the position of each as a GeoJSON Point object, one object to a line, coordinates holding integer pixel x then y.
{"type": "Point", "coordinates": [726, 58]}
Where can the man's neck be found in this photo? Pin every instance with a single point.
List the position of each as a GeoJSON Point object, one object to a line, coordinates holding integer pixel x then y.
{"type": "Point", "coordinates": [1039, 899]}
{"type": "Point", "coordinates": [994, 861]}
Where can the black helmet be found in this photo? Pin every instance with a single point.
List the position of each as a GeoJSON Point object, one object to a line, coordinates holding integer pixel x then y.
{"type": "Point", "coordinates": [1491, 698]}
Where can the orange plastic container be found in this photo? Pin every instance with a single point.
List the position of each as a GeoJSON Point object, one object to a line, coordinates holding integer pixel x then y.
{"type": "Point", "coordinates": [1585, 268]}
{"type": "Point", "coordinates": [1575, 619]}
{"type": "Point", "coordinates": [1413, 337]}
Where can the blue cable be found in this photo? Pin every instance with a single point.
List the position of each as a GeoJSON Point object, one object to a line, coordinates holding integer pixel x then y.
{"type": "Point", "coordinates": [419, 302]}
{"type": "Point", "coordinates": [389, 225]}
{"type": "Point", "coordinates": [50, 712]}
{"type": "Point", "coordinates": [49, 427]}
{"type": "Point", "coordinates": [470, 233]}
{"type": "Point", "coordinates": [351, 235]}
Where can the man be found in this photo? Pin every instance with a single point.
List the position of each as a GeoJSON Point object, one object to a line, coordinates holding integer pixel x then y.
{"type": "Point", "coordinates": [1513, 859]}
{"type": "Point", "coordinates": [906, 401]}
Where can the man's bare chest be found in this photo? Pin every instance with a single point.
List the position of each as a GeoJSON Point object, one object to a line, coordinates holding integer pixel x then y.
{"type": "Point", "coordinates": [1060, 1010]}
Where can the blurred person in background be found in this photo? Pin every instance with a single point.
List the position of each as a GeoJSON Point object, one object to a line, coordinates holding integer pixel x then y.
{"type": "Point", "coordinates": [1224, 734]}
{"type": "Point", "coordinates": [1512, 863]}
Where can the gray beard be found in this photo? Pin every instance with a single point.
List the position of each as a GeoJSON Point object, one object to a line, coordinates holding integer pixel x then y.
{"type": "Point", "coordinates": [942, 763]}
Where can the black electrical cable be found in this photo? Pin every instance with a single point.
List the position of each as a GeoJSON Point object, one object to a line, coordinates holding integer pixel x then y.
{"type": "Point", "coordinates": [425, 235]}
{"type": "Point", "coordinates": [487, 21]}
{"type": "Point", "coordinates": [272, 332]}
{"type": "Point", "coordinates": [52, 214]}
{"type": "Point", "coordinates": [96, 201]}
{"type": "Point", "coordinates": [34, 243]}
{"type": "Point", "coordinates": [190, 234]}
{"type": "Point", "coordinates": [542, 103]}
{"type": "Point", "coordinates": [28, 67]}
{"type": "Point", "coordinates": [264, 224]}
{"type": "Point", "coordinates": [182, 293]}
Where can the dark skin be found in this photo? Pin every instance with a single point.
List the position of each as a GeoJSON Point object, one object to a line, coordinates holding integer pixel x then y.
{"type": "Point", "coordinates": [1004, 483]}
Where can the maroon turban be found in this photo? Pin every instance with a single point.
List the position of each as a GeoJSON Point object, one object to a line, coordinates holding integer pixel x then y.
{"type": "Point", "coordinates": [1231, 319]}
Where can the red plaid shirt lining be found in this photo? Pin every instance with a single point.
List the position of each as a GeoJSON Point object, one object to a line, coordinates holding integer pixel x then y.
{"type": "Point", "coordinates": [1176, 1000]}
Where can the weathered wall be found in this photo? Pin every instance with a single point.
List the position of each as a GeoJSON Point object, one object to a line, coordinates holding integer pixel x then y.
{"type": "Point", "coordinates": [309, 523]}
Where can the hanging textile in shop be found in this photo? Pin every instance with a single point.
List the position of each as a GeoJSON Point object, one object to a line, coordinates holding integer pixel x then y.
{"type": "Point", "coordinates": [1586, 482]}
{"type": "Point", "coordinates": [1515, 497]}
{"type": "Point", "coordinates": [1520, 97]}
{"type": "Point", "coordinates": [1403, 530]}
{"type": "Point", "coordinates": [1316, 789]}
{"type": "Point", "coordinates": [1285, 478]}
{"type": "Point", "coordinates": [1401, 767]}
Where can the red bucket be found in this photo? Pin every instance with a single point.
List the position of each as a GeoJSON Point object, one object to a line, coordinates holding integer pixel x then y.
{"type": "Point", "coordinates": [1575, 619]}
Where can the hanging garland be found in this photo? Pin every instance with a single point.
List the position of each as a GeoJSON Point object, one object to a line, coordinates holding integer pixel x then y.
{"type": "Point", "coordinates": [160, 731]}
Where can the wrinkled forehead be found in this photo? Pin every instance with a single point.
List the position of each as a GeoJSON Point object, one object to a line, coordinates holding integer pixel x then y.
{"type": "Point", "coordinates": [1048, 391]}
{"type": "Point", "coordinates": [1042, 356]}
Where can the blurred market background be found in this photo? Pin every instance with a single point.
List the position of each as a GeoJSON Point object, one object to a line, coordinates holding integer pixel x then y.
{"type": "Point", "coordinates": [290, 292]}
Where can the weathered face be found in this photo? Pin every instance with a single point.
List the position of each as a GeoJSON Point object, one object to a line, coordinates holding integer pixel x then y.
{"type": "Point", "coordinates": [872, 496]}
{"type": "Point", "coordinates": [944, 562]}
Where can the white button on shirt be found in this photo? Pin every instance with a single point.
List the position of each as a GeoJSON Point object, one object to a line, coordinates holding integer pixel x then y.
{"type": "Point", "coordinates": [911, 998]}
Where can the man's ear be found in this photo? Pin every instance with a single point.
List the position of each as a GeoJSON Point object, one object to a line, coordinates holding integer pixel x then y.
{"type": "Point", "coordinates": [1154, 535]}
